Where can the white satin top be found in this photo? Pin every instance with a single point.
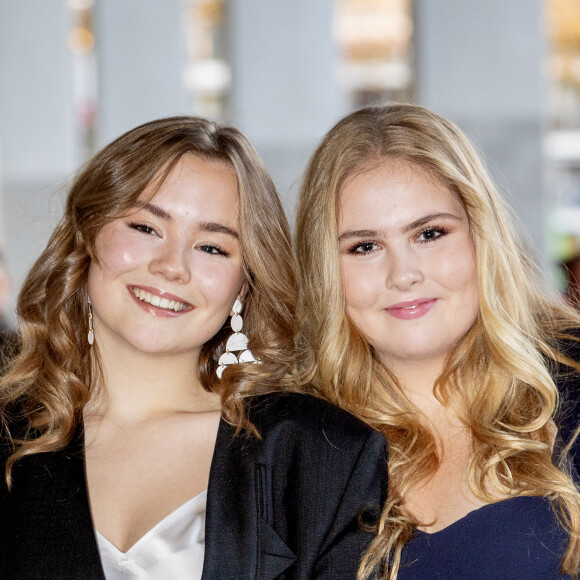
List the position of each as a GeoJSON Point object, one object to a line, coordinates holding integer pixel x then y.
{"type": "Point", "coordinates": [171, 550]}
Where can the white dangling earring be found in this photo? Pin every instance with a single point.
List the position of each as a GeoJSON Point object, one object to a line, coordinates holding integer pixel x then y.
{"type": "Point", "coordinates": [91, 335]}
{"type": "Point", "coordinates": [238, 341]}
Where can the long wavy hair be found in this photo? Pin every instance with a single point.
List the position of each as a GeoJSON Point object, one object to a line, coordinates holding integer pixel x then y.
{"type": "Point", "coordinates": [500, 374]}
{"type": "Point", "coordinates": [48, 384]}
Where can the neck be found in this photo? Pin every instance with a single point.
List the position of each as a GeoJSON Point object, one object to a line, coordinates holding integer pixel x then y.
{"type": "Point", "coordinates": [417, 380]}
{"type": "Point", "coordinates": [137, 386]}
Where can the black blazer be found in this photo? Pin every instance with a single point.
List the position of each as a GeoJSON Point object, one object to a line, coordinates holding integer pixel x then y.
{"type": "Point", "coordinates": [286, 506]}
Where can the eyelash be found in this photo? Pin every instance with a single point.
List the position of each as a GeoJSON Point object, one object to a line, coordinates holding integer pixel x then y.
{"type": "Point", "coordinates": [441, 231]}
{"type": "Point", "coordinates": [143, 228]}
{"type": "Point", "coordinates": [213, 249]}
{"type": "Point", "coordinates": [355, 248]}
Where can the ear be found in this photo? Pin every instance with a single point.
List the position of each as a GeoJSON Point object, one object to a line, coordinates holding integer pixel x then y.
{"type": "Point", "coordinates": [241, 295]}
{"type": "Point", "coordinates": [243, 291]}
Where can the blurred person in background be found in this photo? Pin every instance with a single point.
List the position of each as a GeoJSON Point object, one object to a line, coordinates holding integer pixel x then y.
{"type": "Point", "coordinates": [9, 340]}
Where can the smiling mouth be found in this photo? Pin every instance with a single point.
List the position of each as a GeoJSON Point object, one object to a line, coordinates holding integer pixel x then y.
{"type": "Point", "coordinates": [158, 302]}
{"type": "Point", "coordinates": [412, 309]}
{"type": "Point", "coordinates": [411, 304]}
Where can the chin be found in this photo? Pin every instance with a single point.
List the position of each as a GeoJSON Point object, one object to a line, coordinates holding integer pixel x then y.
{"type": "Point", "coordinates": [152, 345]}
{"type": "Point", "coordinates": [415, 356]}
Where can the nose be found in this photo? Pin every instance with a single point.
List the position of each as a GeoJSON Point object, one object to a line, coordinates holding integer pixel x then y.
{"type": "Point", "coordinates": [404, 270]}
{"type": "Point", "coordinates": [171, 262]}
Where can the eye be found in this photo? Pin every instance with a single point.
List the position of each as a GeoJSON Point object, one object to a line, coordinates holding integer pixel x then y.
{"type": "Point", "coordinates": [363, 248]}
{"type": "Point", "coordinates": [143, 228]}
{"type": "Point", "coordinates": [213, 249]}
{"type": "Point", "coordinates": [432, 233]}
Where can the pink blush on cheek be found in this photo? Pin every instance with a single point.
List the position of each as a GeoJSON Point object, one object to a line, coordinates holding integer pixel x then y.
{"type": "Point", "coordinates": [218, 284]}
{"type": "Point", "coordinates": [119, 252]}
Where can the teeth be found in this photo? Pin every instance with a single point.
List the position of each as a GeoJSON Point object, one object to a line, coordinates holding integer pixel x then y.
{"type": "Point", "coordinates": [159, 302]}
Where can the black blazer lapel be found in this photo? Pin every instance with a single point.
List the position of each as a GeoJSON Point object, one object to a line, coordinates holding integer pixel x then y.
{"type": "Point", "coordinates": [275, 556]}
{"type": "Point", "coordinates": [231, 523]}
{"type": "Point", "coordinates": [240, 542]}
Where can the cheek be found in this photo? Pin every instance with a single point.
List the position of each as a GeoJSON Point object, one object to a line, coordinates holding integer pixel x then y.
{"type": "Point", "coordinates": [119, 253]}
{"type": "Point", "coordinates": [458, 272]}
{"type": "Point", "coordinates": [360, 286]}
{"type": "Point", "coordinates": [219, 283]}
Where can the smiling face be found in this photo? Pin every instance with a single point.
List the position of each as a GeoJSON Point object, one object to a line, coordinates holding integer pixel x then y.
{"type": "Point", "coordinates": [168, 273]}
{"type": "Point", "coordinates": [408, 264]}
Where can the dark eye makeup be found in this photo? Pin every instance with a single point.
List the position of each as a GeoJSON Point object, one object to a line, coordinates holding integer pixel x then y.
{"type": "Point", "coordinates": [426, 235]}
{"type": "Point", "coordinates": [431, 233]}
{"type": "Point", "coordinates": [208, 248]}
{"type": "Point", "coordinates": [363, 248]}
{"type": "Point", "coordinates": [213, 249]}
{"type": "Point", "coordinates": [143, 228]}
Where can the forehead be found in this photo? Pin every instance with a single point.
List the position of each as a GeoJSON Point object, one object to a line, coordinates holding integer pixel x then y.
{"type": "Point", "coordinates": [191, 167]}
{"type": "Point", "coordinates": [395, 190]}
{"type": "Point", "coordinates": [196, 184]}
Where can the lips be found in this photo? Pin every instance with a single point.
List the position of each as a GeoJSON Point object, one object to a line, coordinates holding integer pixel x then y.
{"type": "Point", "coordinates": [412, 308]}
{"type": "Point", "coordinates": [156, 301]}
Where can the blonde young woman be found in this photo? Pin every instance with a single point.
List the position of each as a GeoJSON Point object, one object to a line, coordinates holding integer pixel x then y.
{"type": "Point", "coordinates": [426, 319]}
{"type": "Point", "coordinates": [139, 437]}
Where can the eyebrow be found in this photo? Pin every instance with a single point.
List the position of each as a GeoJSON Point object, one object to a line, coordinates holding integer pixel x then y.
{"type": "Point", "coordinates": [212, 227]}
{"type": "Point", "coordinates": [357, 234]}
{"type": "Point", "coordinates": [218, 229]}
{"type": "Point", "coordinates": [408, 228]}
{"type": "Point", "coordinates": [429, 218]}
{"type": "Point", "coordinates": [157, 211]}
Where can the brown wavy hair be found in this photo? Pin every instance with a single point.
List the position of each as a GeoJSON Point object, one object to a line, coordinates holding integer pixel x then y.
{"type": "Point", "coordinates": [50, 381]}
{"type": "Point", "coordinates": [500, 374]}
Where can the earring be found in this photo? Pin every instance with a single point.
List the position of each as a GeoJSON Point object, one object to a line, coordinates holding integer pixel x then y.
{"type": "Point", "coordinates": [91, 335]}
{"type": "Point", "coordinates": [238, 341]}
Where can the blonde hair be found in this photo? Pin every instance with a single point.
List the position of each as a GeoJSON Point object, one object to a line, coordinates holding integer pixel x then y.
{"type": "Point", "coordinates": [50, 381]}
{"type": "Point", "coordinates": [499, 374]}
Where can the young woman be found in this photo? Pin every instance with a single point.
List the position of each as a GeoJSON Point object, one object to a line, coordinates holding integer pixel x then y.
{"type": "Point", "coordinates": [136, 405]}
{"type": "Point", "coordinates": [426, 319]}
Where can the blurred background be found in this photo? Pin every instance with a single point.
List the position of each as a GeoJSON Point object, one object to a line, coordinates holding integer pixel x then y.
{"type": "Point", "coordinates": [75, 74]}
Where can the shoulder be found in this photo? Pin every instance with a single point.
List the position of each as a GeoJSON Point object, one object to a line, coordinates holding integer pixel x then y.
{"type": "Point", "coordinates": [8, 430]}
{"type": "Point", "coordinates": [566, 377]}
{"type": "Point", "coordinates": [307, 420]}
{"type": "Point", "coordinates": [6, 449]}
{"type": "Point", "coordinates": [569, 345]}
{"type": "Point", "coordinates": [303, 411]}
{"type": "Point", "coordinates": [567, 380]}
{"type": "Point", "coordinates": [13, 426]}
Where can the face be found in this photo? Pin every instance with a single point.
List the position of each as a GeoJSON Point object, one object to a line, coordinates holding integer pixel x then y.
{"type": "Point", "coordinates": [168, 273]}
{"type": "Point", "coordinates": [408, 264]}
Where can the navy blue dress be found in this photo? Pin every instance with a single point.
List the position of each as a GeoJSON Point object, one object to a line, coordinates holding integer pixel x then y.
{"type": "Point", "coordinates": [515, 539]}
